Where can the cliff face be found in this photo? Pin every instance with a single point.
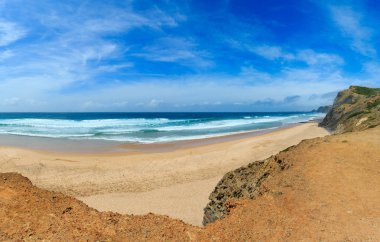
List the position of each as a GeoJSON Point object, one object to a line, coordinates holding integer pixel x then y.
{"type": "Point", "coordinates": [321, 189]}
{"type": "Point", "coordinates": [241, 183]}
{"type": "Point", "coordinates": [354, 109]}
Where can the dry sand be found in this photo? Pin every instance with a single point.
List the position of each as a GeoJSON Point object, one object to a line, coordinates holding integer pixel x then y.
{"type": "Point", "coordinates": [324, 189]}
{"type": "Point", "coordinates": [175, 183]}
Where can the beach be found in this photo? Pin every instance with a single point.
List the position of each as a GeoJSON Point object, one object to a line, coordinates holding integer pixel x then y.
{"type": "Point", "coordinates": [189, 121]}
{"type": "Point", "coordinates": [174, 182]}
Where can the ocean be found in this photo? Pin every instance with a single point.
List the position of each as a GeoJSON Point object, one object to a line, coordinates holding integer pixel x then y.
{"type": "Point", "coordinates": [144, 127]}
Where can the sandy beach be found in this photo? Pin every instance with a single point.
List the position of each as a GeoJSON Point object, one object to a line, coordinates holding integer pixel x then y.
{"type": "Point", "coordinates": [174, 182]}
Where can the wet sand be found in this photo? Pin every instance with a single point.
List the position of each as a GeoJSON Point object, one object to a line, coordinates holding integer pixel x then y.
{"type": "Point", "coordinates": [93, 146]}
{"type": "Point", "coordinates": [174, 182]}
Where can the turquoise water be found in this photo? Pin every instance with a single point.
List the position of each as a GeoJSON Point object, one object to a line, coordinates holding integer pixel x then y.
{"type": "Point", "coordinates": [143, 127]}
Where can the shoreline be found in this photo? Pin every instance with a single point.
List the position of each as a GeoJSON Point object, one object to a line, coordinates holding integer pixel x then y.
{"type": "Point", "coordinates": [192, 143]}
{"type": "Point", "coordinates": [93, 146]}
{"type": "Point", "coordinates": [176, 182]}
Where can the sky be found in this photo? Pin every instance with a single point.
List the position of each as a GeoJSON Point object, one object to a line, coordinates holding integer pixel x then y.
{"type": "Point", "coordinates": [163, 55]}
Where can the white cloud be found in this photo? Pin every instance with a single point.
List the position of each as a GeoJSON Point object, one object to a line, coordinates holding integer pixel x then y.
{"type": "Point", "coordinates": [10, 32]}
{"type": "Point", "coordinates": [11, 101]}
{"type": "Point", "coordinates": [314, 58]}
{"type": "Point", "coordinates": [154, 103]}
{"type": "Point", "coordinates": [178, 50]}
{"type": "Point", "coordinates": [158, 18]}
{"type": "Point", "coordinates": [207, 92]}
{"type": "Point", "coordinates": [351, 25]}
{"type": "Point", "coordinates": [113, 68]}
{"type": "Point", "coordinates": [308, 56]}
{"type": "Point", "coordinates": [6, 54]}
{"type": "Point", "coordinates": [60, 70]}
{"type": "Point", "coordinates": [71, 44]}
{"type": "Point", "coordinates": [91, 53]}
{"type": "Point", "coordinates": [271, 52]}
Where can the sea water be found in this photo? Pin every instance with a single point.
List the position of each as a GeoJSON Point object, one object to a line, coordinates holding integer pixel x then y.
{"type": "Point", "coordinates": [144, 127]}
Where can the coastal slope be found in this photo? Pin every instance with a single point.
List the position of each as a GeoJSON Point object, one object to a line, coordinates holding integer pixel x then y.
{"type": "Point", "coordinates": [159, 178]}
{"type": "Point", "coordinates": [323, 189]}
{"type": "Point", "coordinates": [29, 213]}
{"type": "Point", "coordinates": [354, 109]}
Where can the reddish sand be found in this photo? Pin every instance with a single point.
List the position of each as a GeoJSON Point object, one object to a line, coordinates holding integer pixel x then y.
{"type": "Point", "coordinates": [175, 182]}
{"type": "Point", "coordinates": [329, 192]}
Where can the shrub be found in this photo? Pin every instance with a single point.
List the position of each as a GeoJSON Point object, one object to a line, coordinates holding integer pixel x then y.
{"type": "Point", "coordinates": [373, 104]}
{"type": "Point", "coordinates": [367, 91]}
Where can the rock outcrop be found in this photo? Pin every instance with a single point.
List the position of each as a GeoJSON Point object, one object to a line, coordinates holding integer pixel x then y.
{"type": "Point", "coordinates": [241, 183]}
{"type": "Point", "coordinates": [354, 109]}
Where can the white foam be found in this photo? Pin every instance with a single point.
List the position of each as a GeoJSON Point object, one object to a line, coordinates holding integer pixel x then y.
{"type": "Point", "coordinates": [130, 130]}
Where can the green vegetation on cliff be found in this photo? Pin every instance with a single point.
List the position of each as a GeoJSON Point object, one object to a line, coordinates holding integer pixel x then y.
{"type": "Point", "coordinates": [354, 109]}
{"type": "Point", "coordinates": [366, 91]}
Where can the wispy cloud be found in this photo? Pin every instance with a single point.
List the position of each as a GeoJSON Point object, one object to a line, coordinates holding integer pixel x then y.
{"type": "Point", "coordinates": [175, 56]}
{"type": "Point", "coordinates": [174, 49]}
{"type": "Point", "coordinates": [272, 52]}
{"type": "Point", "coordinates": [314, 58]}
{"type": "Point", "coordinates": [6, 54]}
{"type": "Point", "coordinates": [10, 32]}
{"type": "Point", "coordinates": [290, 90]}
{"type": "Point", "coordinates": [72, 44]}
{"type": "Point", "coordinates": [307, 56]}
{"type": "Point", "coordinates": [351, 24]}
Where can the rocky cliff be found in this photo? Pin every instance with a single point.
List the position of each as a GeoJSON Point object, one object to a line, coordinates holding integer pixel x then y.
{"type": "Point", "coordinates": [354, 109]}
{"type": "Point", "coordinates": [243, 182]}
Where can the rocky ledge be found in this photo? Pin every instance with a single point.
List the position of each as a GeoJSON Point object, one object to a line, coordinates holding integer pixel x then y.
{"type": "Point", "coordinates": [241, 183]}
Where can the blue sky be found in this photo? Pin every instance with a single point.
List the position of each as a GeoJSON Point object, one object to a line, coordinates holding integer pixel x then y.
{"type": "Point", "coordinates": [250, 55]}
